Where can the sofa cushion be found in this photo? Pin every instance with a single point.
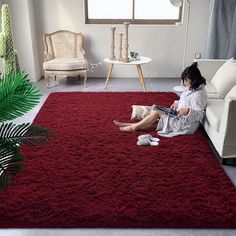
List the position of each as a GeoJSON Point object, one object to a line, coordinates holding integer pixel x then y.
{"type": "Point", "coordinates": [225, 78]}
{"type": "Point", "coordinates": [214, 96]}
{"type": "Point", "coordinates": [231, 93]}
{"type": "Point", "coordinates": [210, 88]}
{"type": "Point", "coordinates": [65, 64]}
{"type": "Point", "coordinates": [214, 112]}
{"type": "Point", "coordinates": [212, 91]}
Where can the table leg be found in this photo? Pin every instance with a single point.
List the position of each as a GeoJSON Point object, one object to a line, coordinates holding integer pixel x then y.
{"type": "Point", "coordinates": [108, 75]}
{"type": "Point", "coordinates": [140, 73]}
{"type": "Point", "coordinates": [140, 81]}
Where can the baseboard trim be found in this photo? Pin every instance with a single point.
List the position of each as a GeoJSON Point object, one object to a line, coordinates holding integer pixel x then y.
{"type": "Point", "coordinates": [228, 161]}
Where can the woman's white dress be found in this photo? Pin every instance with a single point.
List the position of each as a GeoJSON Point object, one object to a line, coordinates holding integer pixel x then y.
{"type": "Point", "coordinates": [196, 100]}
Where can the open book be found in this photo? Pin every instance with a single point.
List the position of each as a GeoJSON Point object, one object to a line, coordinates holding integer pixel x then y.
{"type": "Point", "coordinates": [165, 110]}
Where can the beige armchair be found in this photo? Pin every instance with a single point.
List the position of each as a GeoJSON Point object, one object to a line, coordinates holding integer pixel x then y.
{"type": "Point", "coordinates": [64, 55]}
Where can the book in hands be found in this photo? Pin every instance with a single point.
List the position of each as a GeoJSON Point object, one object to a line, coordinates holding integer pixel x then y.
{"type": "Point", "coordinates": [165, 110]}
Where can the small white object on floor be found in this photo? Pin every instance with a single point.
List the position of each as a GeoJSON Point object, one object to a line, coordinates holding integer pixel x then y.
{"type": "Point", "coordinates": [147, 142]}
{"type": "Point", "coordinates": [149, 136]}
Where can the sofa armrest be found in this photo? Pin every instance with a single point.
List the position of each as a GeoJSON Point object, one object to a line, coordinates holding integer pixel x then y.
{"type": "Point", "coordinates": [228, 127]}
{"type": "Point", "coordinates": [209, 67]}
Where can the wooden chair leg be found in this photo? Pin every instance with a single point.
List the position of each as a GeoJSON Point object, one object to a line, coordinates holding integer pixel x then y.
{"type": "Point", "coordinates": [85, 80]}
{"type": "Point", "coordinates": [46, 78]}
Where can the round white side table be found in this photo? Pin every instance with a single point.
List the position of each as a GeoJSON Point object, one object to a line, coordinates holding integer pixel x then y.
{"type": "Point", "coordinates": [137, 63]}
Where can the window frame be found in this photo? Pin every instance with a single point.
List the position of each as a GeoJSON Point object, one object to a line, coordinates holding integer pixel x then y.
{"type": "Point", "coordinates": [132, 21]}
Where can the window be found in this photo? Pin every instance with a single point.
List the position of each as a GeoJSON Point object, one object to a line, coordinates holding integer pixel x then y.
{"type": "Point", "coordinates": [134, 11]}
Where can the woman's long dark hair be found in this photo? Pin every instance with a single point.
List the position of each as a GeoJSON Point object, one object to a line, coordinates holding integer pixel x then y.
{"type": "Point", "coordinates": [193, 73]}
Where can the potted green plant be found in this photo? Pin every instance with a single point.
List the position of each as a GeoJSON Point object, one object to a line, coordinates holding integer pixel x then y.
{"type": "Point", "coordinates": [17, 96]}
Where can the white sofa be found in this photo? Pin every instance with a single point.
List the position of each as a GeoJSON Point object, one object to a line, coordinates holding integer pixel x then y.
{"type": "Point", "coordinates": [220, 121]}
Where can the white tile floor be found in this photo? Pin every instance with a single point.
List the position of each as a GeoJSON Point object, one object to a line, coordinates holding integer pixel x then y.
{"type": "Point", "coordinates": [115, 84]}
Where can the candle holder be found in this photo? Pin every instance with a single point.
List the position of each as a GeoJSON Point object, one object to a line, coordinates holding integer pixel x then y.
{"type": "Point", "coordinates": [126, 45]}
{"type": "Point", "coordinates": [112, 56]}
{"type": "Point", "coordinates": [120, 47]}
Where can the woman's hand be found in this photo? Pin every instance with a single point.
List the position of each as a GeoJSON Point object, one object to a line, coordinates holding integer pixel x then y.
{"type": "Point", "coordinates": [183, 111]}
{"type": "Point", "coordinates": [174, 105]}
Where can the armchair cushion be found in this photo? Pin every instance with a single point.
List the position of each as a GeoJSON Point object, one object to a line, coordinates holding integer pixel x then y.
{"type": "Point", "coordinates": [65, 64]}
{"type": "Point", "coordinates": [225, 78]}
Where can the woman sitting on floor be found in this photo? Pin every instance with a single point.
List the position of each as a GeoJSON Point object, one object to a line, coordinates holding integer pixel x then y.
{"type": "Point", "coordinates": [190, 107]}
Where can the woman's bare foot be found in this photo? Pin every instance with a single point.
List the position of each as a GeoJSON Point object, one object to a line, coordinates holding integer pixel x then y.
{"type": "Point", "coordinates": [121, 124]}
{"type": "Point", "coordinates": [129, 128]}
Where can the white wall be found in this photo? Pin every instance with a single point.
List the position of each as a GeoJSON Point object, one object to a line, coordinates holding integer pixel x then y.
{"type": "Point", "coordinates": [163, 43]}
{"type": "Point", "coordinates": [24, 36]}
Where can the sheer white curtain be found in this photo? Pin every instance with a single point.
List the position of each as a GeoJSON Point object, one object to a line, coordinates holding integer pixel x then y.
{"type": "Point", "coordinates": [221, 39]}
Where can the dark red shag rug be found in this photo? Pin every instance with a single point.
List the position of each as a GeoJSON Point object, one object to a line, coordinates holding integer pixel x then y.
{"type": "Point", "coordinates": [94, 175]}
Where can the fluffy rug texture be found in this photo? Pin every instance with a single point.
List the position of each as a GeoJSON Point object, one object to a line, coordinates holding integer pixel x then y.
{"type": "Point", "coordinates": [94, 175]}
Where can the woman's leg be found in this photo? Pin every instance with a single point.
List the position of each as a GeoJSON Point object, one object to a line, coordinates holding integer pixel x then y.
{"type": "Point", "coordinates": [147, 123]}
{"type": "Point", "coordinates": [121, 124]}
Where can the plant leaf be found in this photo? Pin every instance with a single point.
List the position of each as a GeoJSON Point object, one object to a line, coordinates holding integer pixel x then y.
{"type": "Point", "coordinates": [17, 96]}
{"type": "Point", "coordinates": [36, 135]}
{"type": "Point", "coordinates": [11, 161]}
{"type": "Point", "coordinates": [25, 133]}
